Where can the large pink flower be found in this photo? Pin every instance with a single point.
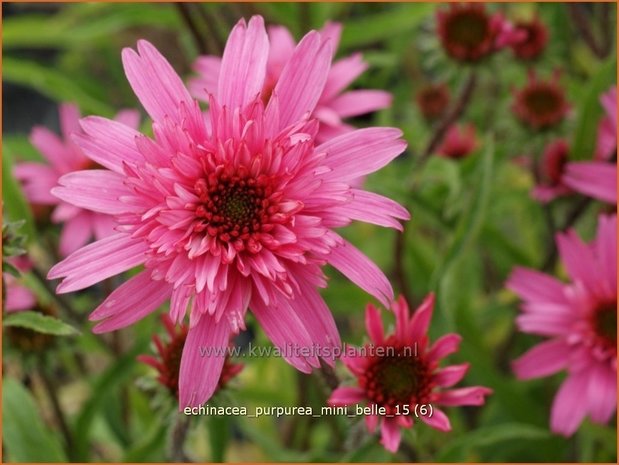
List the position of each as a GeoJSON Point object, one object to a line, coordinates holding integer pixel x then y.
{"type": "Point", "coordinates": [400, 373]}
{"type": "Point", "coordinates": [233, 211]}
{"type": "Point", "coordinates": [38, 179]}
{"type": "Point", "coordinates": [598, 179]}
{"type": "Point", "coordinates": [580, 318]}
{"type": "Point", "coordinates": [334, 104]}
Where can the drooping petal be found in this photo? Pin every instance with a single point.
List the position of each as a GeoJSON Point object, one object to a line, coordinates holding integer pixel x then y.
{"type": "Point", "coordinates": [474, 395]}
{"type": "Point", "coordinates": [532, 285]}
{"type": "Point", "coordinates": [390, 434]}
{"type": "Point", "coordinates": [602, 393]}
{"type": "Point", "coordinates": [542, 360]}
{"type": "Point", "coordinates": [438, 420]}
{"type": "Point", "coordinates": [342, 74]}
{"type": "Point", "coordinates": [360, 102]}
{"type": "Point", "coordinates": [203, 359]}
{"type": "Point", "coordinates": [132, 301]}
{"type": "Point", "coordinates": [448, 376]}
{"type": "Point", "coordinates": [373, 208]}
{"type": "Point", "coordinates": [595, 179]}
{"type": "Point", "coordinates": [346, 395]}
{"type": "Point", "coordinates": [243, 66]}
{"type": "Point", "coordinates": [569, 406]}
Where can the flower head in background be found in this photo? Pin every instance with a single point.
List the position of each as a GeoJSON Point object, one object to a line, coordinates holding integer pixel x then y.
{"type": "Point", "coordinates": [405, 373]}
{"type": "Point", "coordinates": [540, 103]}
{"type": "Point", "coordinates": [598, 179]}
{"type": "Point", "coordinates": [535, 39]}
{"type": "Point", "coordinates": [334, 105]}
{"type": "Point", "coordinates": [433, 100]}
{"type": "Point", "coordinates": [64, 156]}
{"type": "Point", "coordinates": [551, 170]}
{"type": "Point", "coordinates": [468, 33]}
{"type": "Point", "coordinates": [230, 211]}
{"type": "Point", "coordinates": [459, 141]}
{"type": "Point", "coordinates": [167, 362]}
{"type": "Point", "coordinates": [580, 320]}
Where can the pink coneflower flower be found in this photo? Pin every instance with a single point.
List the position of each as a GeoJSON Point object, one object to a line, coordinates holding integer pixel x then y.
{"type": "Point", "coordinates": [400, 371]}
{"type": "Point", "coordinates": [63, 156]}
{"type": "Point", "coordinates": [433, 100]}
{"type": "Point", "coordinates": [468, 33]}
{"type": "Point", "coordinates": [551, 170]}
{"type": "Point", "coordinates": [334, 105]}
{"type": "Point", "coordinates": [167, 362]}
{"type": "Point", "coordinates": [459, 141]}
{"type": "Point", "coordinates": [231, 212]}
{"type": "Point", "coordinates": [580, 318]}
{"type": "Point", "coordinates": [598, 179]}
{"type": "Point", "coordinates": [535, 38]}
{"type": "Point", "coordinates": [540, 104]}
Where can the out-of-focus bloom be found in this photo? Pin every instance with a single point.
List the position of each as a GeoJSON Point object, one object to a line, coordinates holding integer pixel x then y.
{"type": "Point", "coordinates": [17, 296]}
{"type": "Point", "coordinates": [580, 318]}
{"type": "Point", "coordinates": [598, 179]}
{"type": "Point", "coordinates": [63, 156]}
{"type": "Point", "coordinates": [167, 362]}
{"type": "Point", "coordinates": [459, 141]}
{"type": "Point", "coordinates": [433, 100]}
{"type": "Point", "coordinates": [540, 103]}
{"type": "Point", "coordinates": [230, 211]}
{"type": "Point", "coordinates": [535, 38]}
{"type": "Point", "coordinates": [468, 33]}
{"type": "Point", "coordinates": [334, 104]}
{"type": "Point", "coordinates": [400, 373]}
{"type": "Point", "coordinates": [551, 170]}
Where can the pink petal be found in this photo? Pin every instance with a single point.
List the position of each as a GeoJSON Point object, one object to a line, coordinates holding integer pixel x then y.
{"type": "Point", "coordinates": [438, 420]}
{"type": "Point", "coordinates": [444, 346]}
{"type": "Point", "coordinates": [602, 393]}
{"type": "Point", "coordinates": [400, 308]}
{"type": "Point", "coordinates": [209, 68]}
{"type": "Point", "coordinates": [282, 46]}
{"type": "Point", "coordinates": [353, 264]}
{"type": "Point", "coordinates": [374, 209]}
{"type": "Point", "coordinates": [361, 152]}
{"type": "Point", "coordinates": [374, 324]}
{"type": "Point", "coordinates": [53, 149]}
{"type": "Point", "coordinates": [346, 396]}
{"type": "Point", "coordinates": [302, 80]}
{"type": "Point", "coordinates": [243, 66]}
{"type": "Point", "coordinates": [371, 422]}
{"type": "Point", "coordinates": [130, 118]}
{"type": "Point", "coordinates": [570, 406]}
{"type": "Point", "coordinates": [532, 285]}
{"type": "Point", "coordinates": [98, 261]}
{"type": "Point", "coordinates": [606, 250]}
{"type": "Point", "coordinates": [155, 82]}
{"type": "Point", "coordinates": [18, 298]}
{"type": "Point", "coordinates": [421, 319]}
{"type": "Point", "coordinates": [448, 376]}
{"type": "Point", "coordinates": [75, 233]}
{"type": "Point", "coordinates": [132, 301]}
{"type": "Point", "coordinates": [545, 323]}
{"type": "Point", "coordinates": [200, 371]}
{"type": "Point", "coordinates": [109, 143]}
{"type": "Point", "coordinates": [69, 116]}
{"type": "Point", "coordinates": [542, 360]}
{"type": "Point", "coordinates": [95, 190]}
{"type": "Point", "coordinates": [104, 225]}
{"type": "Point", "coordinates": [342, 74]}
{"type": "Point", "coordinates": [595, 179]}
{"type": "Point", "coordinates": [390, 434]}
{"type": "Point", "coordinates": [360, 102]}
{"type": "Point", "coordinates": [331, 31]}
{"type": "Point", "coordinates": [37, 182]}
{"type": "Point", "coordinates": [580, 262]}
{"type": "Point", "coordinates": [464, 396]}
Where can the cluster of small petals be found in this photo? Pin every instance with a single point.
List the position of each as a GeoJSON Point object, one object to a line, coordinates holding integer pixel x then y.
{"type": "Point", "coordinates": [459, 141]}
{"type": "Point", "coordinates": [468, 33]}
{"type": "Point", "coordinates": [334, 105]}
{"type": "Point", "coordinates": [540, 103]}
{"type": "Point", "coordinates": [433, 100]}
{"type": "Point", "coordinates": [535, 39]}
{"type": "Point", "coordinates": [230, 210]}
{"type": "Point", "coordinates": [580, 319]}
{"type": "Point", "coordinates": [551, 171]}
{"type": "Point", "coordinates": [64, 156]}
{"type": "Point", "coordinates": [406, 373]}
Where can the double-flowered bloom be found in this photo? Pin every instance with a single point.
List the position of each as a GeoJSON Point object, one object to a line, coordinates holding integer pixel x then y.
{"type": "Point", "coordinates": [232, 210]}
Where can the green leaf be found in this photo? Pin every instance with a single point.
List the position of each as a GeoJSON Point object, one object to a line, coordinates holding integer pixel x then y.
{"type": "Point", "coordinates": [15, 206]}
{"type": "Point", "coordinates": [457, 449]}
{"type": "Point", "coordinates": [590, 111]}
{"type": "Point", "coordinates": [24, 435]}
{"type": "Point", "coordinates": [40, 323]}
{"type": "Point", "coordinates": [53, 84]}
{"type": "Point", "coordinates": [380, 26]}
{"type": "Point", "coordinates": [218, 436]}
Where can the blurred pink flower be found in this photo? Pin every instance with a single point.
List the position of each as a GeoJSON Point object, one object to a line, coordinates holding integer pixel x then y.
{"type": "Point", "coordinates": [334, 104]}
{"type": "Point", "coordinates": [598, 179]}
{"type": "Point", "coordinates": [401, 370]}
{"type": "Point", "coordinates": [468, 33]}
{"type": "Point", "coordinates": [17, 296]}
{"type": "Point", "coordinates": [63, 156]}
{"type": "Point", "coordinates": [580, 318]}
{"type": "Point", "coordinates": [552, 168]}
{"type": "Point", "coordinates": [535, 38]}
{"type": "Point", "coordinates": [540, 104]}
{"type": "Point", "coordinates": [459, 141]}
{"type": "Point", "coordinates": [234, 211]}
